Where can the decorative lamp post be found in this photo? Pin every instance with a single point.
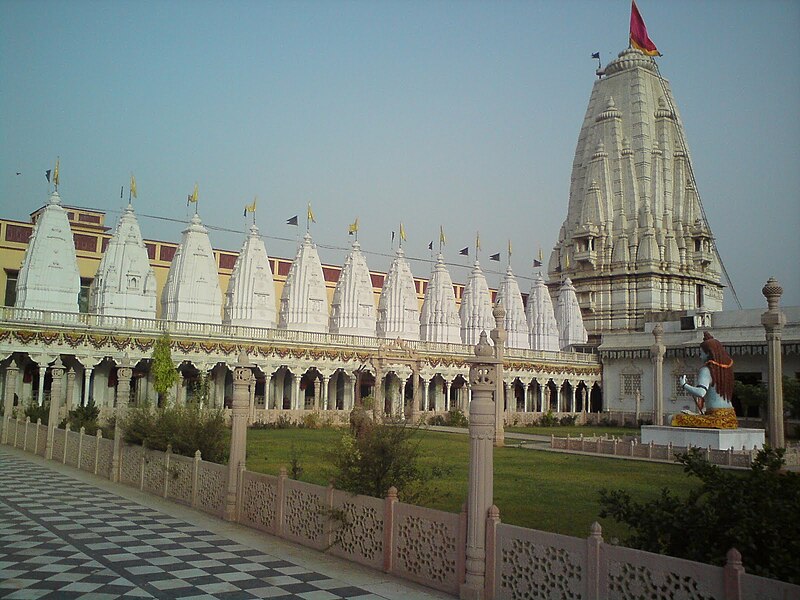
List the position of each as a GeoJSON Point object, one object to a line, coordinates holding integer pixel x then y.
{"type": "Point", "coordinates": [773, 321]}
{"type": "Point", "coordinates": [242, 377]}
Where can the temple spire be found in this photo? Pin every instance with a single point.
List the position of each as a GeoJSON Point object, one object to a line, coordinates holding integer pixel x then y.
{"type": "Point", "coordinates": [476, 306]}
{"type": "Point", "coordinates": [398, 308]}
{"type": "Point", "coordinates": [541, 318]}
{"type": "Point", "coordinates": [439, 321]}
{"type": "Point", "coordinates": [304, 301]}
{"type": "Point", "coordinates": [353, 306]}
{"type": "Point", "coordinates": [510, 298]}
{"type": "Point", "coordinates": [250, 298]}
{"type": "Point", "coordinates": [570, 321]}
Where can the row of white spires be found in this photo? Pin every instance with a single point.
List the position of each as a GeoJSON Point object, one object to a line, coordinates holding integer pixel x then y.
{"type": "Point", "coordinates": [125, 285]}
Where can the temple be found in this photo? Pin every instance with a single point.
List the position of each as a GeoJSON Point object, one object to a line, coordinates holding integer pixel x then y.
{"type": "Point", "coordinates": [250, 299]}
{"type": "Point", "coordinates": [398, 308]}
{"type": "Point", "coordinates": [304, 301]}
{"type": "Point", "coordinates": [439, 320]}
{"type": "Point", "coordinates": [635, 240]}
{"type": "Point", "coordinates": [515, 321]}
{"type": "Point", "coordinates": [353, 305]}
{"type": "Point", "coordinates": [476, 307]}
{"type": "Point", "coordinates": [541, 318]}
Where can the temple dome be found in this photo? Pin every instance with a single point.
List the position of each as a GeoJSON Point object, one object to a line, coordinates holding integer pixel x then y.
{"type": "Point", "coordinates": [192, 291]}
{"type": "Point", "coordinates": [439, 320]}
{"type": "Point", "coordinates": [571, 330]}
{"type": "Point", "coordinates": [304, 301]}
{"type": "Point", "coordinates": [541, 318]}
{"type": "Point", "coordinates": [476, 307]}
{"type": "Point", "coordinates": [250, 298]}
{"type": "Point", "coordinates": [125, 284]}
{"type": "Point", "coordinates": [398, 307]}
{"type": "Point", "coordinates": [49, 278]}
{"type": "Point", "coordinates": [515, 323]}
{"type": "Point", "coordinates": [353, 305]}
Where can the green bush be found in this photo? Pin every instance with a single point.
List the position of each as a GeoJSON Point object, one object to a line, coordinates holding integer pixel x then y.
{"type": "Point", "coordinates": [36, 412]}
{"type": "Point", "coordinates": [186, 428]}
{"type": "Point", "coordinates": [437, 421]}
{"type": "Point", "coordinates": [312, 421]}
{"type": "Point", "coordinates": [83, 416]}
{"type": "Point", "coordinates": [548, 420]}
{"type": "Point", "coordinates": [456, 418]}
{"type": "Point", "coordinates": [568, 420]}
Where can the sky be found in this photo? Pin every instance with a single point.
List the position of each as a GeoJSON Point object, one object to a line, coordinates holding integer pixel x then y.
{"type": "Point", "coordinates": [463, 114]}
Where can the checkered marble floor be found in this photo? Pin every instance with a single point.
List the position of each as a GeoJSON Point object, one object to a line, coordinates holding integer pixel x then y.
{"type": "Point", "coordinates": [61, 538]}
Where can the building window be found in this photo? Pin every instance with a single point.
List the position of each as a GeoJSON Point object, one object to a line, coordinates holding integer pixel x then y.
{"type": "Point", "coordinates": [83, 295]}
{"type": "Point", "coordinates": [699, 295]}
{"type": "Point", "coordinates": [11, 288]}
{"type": "Point", "coordinates": [631, 384]}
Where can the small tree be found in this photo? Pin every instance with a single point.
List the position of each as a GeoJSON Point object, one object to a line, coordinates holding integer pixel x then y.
{"type": "Point", "coordinates": [758, 513]}
{"type": "Point", "coordinates": [164, 372]}
{"type": "Point", "coordinates": [791, 396]}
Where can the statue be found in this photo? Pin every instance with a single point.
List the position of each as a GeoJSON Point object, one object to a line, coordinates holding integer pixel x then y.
{"type": "Point", "coordinates": [713, 391]}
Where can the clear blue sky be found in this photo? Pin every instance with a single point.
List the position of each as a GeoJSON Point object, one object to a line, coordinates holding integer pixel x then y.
{"type": "Point", "coordinates": [460, 113]}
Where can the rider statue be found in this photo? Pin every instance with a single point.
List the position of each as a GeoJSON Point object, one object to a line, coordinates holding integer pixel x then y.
{"type": "Point", "coordinates": [713, 390]}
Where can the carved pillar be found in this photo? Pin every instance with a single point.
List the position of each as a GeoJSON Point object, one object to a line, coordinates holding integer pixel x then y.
{"type": "Point", "coordinates": [378, 391]}
{"type": "Point", "coordinates": [324, 392]}
{"type": "Point", "coordinates": [657, 356]}
{"type": "Point", "coordinates": [298, 395]}
{"type": "Point", "coordinates": [10, 389]}
{"type": "Point", "coordinates": [480, 489]}
{"type": "Point", "coordinates": [773, 321]}
{"type": "Point", "coordinates": [251, 392]}
{"type": "Point", "coordinates": [70, 389]}
{"type": "Point", "coordinates": [413, 412]}
{"type": "Point", "coordinates": [242, 378]}
{"type": "Point", "coordinates": [87, 379]}
{"type": "Point", "coordinates": [124, 374]}
{"type": "Point", "coordinates": [425, 401]}
{"type": "Point", "coordinates": [57, 372]}
{"type": "Point", "coordinates": [499, 339]}
{"type": "Point", "coordinates": [42, 373]}
{"type": "Point", "coordinates": [446, 395]}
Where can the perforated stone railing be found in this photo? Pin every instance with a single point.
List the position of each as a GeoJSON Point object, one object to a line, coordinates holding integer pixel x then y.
{"type": "Point", "coordinates": [419, 544]}
{"type": "Point", "coordinates": [632, 448]}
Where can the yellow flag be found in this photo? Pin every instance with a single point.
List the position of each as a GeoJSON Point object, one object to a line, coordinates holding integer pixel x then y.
{"type": "Point", "coordinates": [193, 197]}
{"type": "Point", "coordinates": [248, 208]}
{"type": "Point", "coordinates": [55, 173]}
{"type": "Point", "coordinates": [541, 254]}
{"type": "Point", "coordinates": [509, 248]}
{"type": "Point", "coordinates": [353, 227]}
{"type": "Point", "coordinates": [133, 186]}
{"type": "Point", "coordinates": [442, 238]}
{"type": "Point", "coordinates": [311, 214]}
{"type": "Point", "coordinates": [478, 241]}
{"type": "Point", "coordinates": [402, 232]}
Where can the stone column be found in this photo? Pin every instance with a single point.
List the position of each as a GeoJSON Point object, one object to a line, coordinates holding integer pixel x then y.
{"type": "Point", "coordinates": [298, 396]}
{"type": "Point", "coordinates": [124, 374]}
{"type": "Point", "coordinates": [413, 412]}
{"type": "Point", "coordinates": [242, 377]}
{"type": "Point", "coordinates": [180, 389]}
{"type": "Point", "coordinates": [251, 392]}
{"type": "Point", "coordinates": [528, 397]}
{"type": "Point", "coordinates": [87, 379]}
{"type": "Point", "coordinates": [378, 391]}
{"type": "Point", "coordinates": [773, 321]}
{"type": "Point", "coordinates": [42, 373]}
{"type": "Point", "coordinates": [57, 371]}
{"type": "Point", "coordinates": [482, 415]}
{"type": "Point", "coordinates": [70, 389]}
{"type": "Point", "coordinates": [446, 395]}
{"type": "Point", "coordinates": [657, 356]}
{"type": "Point", "coordinates": [10, 389]}
{"type": "Point", "coordinates": [499, 339]}
{"type": "Point", "coordinates": [425, 401]}
{"type": "Point", "coordinates": [324, 392]}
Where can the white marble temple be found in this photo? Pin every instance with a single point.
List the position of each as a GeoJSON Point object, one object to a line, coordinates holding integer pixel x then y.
{"type": "Point", "coordinates": [571, 330]}
{"type": "Point", "coordinates": [304, 301]}
{"type": "Point", "coordinates": [49, 278]}
{"type": "Point", "coordinates": [192, 290]}
{"type": "Point", "coordinates": [439, 320]}
{"type": "Point", "coordinates": [476, 307]}
{"type": "Point", "coordinates": [125, 284]}
{"type": "Point", "coordinates": [398, 307]}
{"type": "Point", "coordinates": [541, 317]}
{"type": "Point", "coordinates": [250, 297]}
{"type": "Point", "coordinates": [634, 240]}
{"type": "Point", "coordinates": [353, 305]}
{"type": "Point", "coordinates": [516, 324]}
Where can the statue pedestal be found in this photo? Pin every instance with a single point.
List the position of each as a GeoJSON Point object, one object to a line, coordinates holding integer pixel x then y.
{"type": "Point", "coordinates": [716, 439]}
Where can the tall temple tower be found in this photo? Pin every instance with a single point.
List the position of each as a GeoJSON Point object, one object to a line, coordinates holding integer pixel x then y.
{"type": "Point", "coordinates": [635, 241]}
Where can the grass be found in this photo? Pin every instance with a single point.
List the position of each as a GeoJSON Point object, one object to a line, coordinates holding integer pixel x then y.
{"type": "Point", "coordinates": [536, 489]}
{"type": "Point", "coordinates": [576, 430]}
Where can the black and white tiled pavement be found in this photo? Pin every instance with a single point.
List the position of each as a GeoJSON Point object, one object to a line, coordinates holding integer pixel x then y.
{"type": "Point", "coordinates": [61, 538]}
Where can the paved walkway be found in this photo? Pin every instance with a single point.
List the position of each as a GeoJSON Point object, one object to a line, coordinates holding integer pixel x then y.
{"type": "Point", "coordinates": [68, 534]}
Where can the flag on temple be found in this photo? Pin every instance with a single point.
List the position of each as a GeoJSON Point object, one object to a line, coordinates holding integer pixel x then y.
{"type": "Point", "coordinates": [596, 55]}
{"type": "Point", "coordinates": [509, 249]}
{"type": "Point", "coordinates": [430, 246]}
{"type": "Point", "coordinates": [121, 189]}
{"type": "Point", "coordinates": [47, 174]}
{"type": "Point", "coordinates": [495, 257]}
{"type": "Point", "coordinates": [442, 238]}
{"type": "Point", "coordinates": [464, 251]}
{"type": "Point", "coordinates": [133, 186]}
{"type": "Point", "coordinates": [192, 196]}
{"type": "Point", "coordinates": [292, 221]}
{"type": "Point", "coordinates": [477, 241]}
{"type": "Point", "coordinates": [311, 214]}
{"type": "Point", "coordinates": [353, 227]}
{"type": "Point", "coordinates": [55, 173]}
{"type": "Point", "coordinates": [402, 232]}
{"type": "Point", "coordinates": [250, 207]}
{"type": "Point", "coordinates": [537, 263]}
{"type": "Point", "coordinates": [639, 38]}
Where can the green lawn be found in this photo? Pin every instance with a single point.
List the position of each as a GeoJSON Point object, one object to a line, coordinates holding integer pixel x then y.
{"type": "Point", "coordinates": [537, 489]}
{"type": "Point", "coordinates": [576, 430]}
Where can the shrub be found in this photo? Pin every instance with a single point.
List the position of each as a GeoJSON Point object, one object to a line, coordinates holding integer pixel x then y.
{"type": "Point", "coordinates": [456, 418]}
{"type": "Point", "coordinates": [186, 428]}
{"type": "Point", "coordinates": [755, 513]}
{"type": "Point", "coordinates": [36, 412]}
{"type": "Point", "coordinates": [548, 419]}
{"type": "Point", "coordinates": [437, 420]}
{"type": "Point", "coordinates": [84, 416]}
{"type": "Point", "coordinates": [312, 421]}
{"type": "Point", "coordinates": [164, 372]}
{"type": "Point", "coordinates": [568, 420]}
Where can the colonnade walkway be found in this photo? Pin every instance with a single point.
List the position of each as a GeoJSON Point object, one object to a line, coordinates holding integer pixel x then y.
{"type": "Point", "coordinates": [67, 534]}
